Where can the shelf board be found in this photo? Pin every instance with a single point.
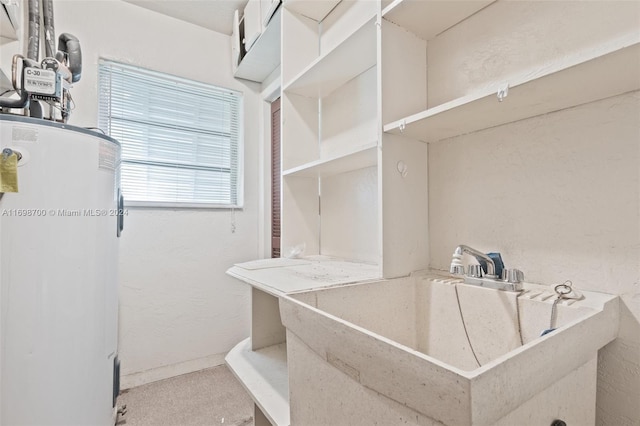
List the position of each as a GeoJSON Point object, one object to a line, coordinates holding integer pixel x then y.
{"type": "Point", "coordinates": [427, 19]}
{"type": "Point", "coordinates": [264, 375]}
{"type": "Point", "coordinates": [347, 60]}
{"type": "Point", "coordinates": [264, 55]}
{"type": "Point", "coordinates": [608, 70]}
{"type": "Point", "coordinates": [312, 272]}
{"type": "Point", "coordinates": [314, 9]}
{"type": "Point", "coordinates": [357, 159]}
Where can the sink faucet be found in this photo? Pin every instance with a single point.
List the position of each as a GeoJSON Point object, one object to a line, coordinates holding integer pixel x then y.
{"type": "Point", "coordinates": [456, 262]}
{"type": "Point", "coordinates": [486, 274]}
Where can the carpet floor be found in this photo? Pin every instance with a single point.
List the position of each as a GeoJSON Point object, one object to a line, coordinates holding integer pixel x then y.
{"type": "Point", "coordinates": [208, 397]}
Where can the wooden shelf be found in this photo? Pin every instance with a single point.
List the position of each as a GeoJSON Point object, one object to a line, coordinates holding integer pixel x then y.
{"type": "Point", "coordinates": [608, 70]}
{"type": "Point", "coordinates": [427, 19]}
{"type": "Point", "coordinates": [264, 56]}
{"type": "Point", "coordinates": [359, 158]}
{"type": "Point", "coordinates": [314, 9]}
{"type": "Point", "coordinates": [347, 60]}
{"type": "Point", "coordinates": [264, 375]}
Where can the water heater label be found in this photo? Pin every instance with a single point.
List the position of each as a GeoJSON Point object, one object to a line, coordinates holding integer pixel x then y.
{"type": "Point", "coordinates": [24, 134]}
{"type": "Point", "coordinates": [107, 156]}
{"type": "Point", "coordinates": [38, 80]}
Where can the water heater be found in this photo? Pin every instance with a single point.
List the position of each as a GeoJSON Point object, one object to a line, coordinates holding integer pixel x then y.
{"type": "Point", "coordinates": [58, 274]}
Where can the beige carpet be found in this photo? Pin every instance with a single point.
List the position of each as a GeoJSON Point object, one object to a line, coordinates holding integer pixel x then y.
{"type": "Point", "coordinates": [207, 397]}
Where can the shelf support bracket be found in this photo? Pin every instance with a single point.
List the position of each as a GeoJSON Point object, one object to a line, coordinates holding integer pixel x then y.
{"type": "Point", "coordinates": [503, 92]}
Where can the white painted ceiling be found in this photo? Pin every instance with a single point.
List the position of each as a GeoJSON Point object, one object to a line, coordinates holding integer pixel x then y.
{"type": "Point", "coordinates": [216, 15]}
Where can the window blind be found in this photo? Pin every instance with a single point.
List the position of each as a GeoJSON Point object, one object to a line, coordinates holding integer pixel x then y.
{"type": "Point", "coordinates": [181, 139]}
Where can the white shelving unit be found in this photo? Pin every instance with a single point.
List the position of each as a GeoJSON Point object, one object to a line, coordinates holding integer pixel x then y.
{"type": "Point", "coordinates": [330, 133]}
{"type": "Point", "coordinates": [343, 63]}
{"type": "Point", "coordinates": [575, 80]}
{"type": "Point", "coordinates": [260, 362]}
{"type": "Point", "coordinates": [314, 9]}
{"type": "Point", "coordinates": [264, 375]}
{"type": "Point", "coordinates": [427, 19]}
{"type": "Point", "coordinates": [360, 158]}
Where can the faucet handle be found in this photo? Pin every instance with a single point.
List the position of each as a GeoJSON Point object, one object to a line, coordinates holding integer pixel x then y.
{"type": "Point", "coordinates": [475, 271]}
{"type": "Point", "coordinates": [512, 275]}
{"type": "Point", "coordinates": [456, 269]}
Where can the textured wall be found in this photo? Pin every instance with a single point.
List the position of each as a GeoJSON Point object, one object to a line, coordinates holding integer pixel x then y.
{"type": "Point", "coordinates": [511, 37]}
{"type": "Point", "coordinates": [176, 304]}
{"type": "Point", "coordinates": [559, 194]}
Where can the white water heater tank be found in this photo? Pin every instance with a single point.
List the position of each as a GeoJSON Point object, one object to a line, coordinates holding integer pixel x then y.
{"type": "Point", "coordinates": [58, 276]}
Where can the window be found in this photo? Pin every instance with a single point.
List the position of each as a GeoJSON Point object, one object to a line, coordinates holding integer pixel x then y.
{"type": "Point", "coordinates": [181, 139]}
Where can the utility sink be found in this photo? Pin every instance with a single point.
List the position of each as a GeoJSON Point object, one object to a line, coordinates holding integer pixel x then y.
{"type": "Point", "coordinates": [456, 354]}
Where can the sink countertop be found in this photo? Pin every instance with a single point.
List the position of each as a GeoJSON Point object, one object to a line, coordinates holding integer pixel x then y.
{"type": "Point", "coordinates": [285, 276]}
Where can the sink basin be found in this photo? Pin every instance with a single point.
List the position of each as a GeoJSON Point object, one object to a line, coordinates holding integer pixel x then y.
{"type": "Point", "coordinates": [436, 351]}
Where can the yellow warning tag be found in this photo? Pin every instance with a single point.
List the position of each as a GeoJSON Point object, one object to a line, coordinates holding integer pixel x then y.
{"type": "Point", "coordinates": [9, 173]}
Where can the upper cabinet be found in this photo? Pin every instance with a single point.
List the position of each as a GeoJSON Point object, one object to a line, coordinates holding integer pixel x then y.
{"type": "Point", "coordinates": [255, 41]}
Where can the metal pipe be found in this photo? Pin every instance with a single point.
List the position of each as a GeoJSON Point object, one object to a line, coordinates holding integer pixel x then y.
{"type": "Point", "coordinates": [33, 46]}
{"type": "Point", "coordinates": [49, 30]}
{"type": "Point", "coordinates": [23, 101]}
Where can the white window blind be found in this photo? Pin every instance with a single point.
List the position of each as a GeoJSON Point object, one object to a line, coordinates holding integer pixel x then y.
{"type": "Point", "coordinates": [181, 139]}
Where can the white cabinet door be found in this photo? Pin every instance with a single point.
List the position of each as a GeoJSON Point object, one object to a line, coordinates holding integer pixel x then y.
{"type": "Point", "coordinates": [267, 9]}
{"type": "Point", "coordinates": [252, 23]}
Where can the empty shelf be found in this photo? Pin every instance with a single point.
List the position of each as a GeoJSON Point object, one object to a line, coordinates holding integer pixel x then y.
{"type": "Point", "coordinates": [264, 375]}
{"type": "Point", "coordinates": [314, 9]}
{"type": "Point", "coordinates": [347, 60]}
{"type": "Point", "coordinates": [366, 156]}
{"type": "Point", "coordinates": [597, 73]}
{"type": "Point", "coordinates": [427, 19]}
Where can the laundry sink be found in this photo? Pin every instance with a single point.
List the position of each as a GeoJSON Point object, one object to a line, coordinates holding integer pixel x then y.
{"type": "Point", "coordinates": [436, 351]}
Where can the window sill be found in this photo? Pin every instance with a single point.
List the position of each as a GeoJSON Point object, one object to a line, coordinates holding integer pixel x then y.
{"type": "Point", "coordinates": [169, 205]}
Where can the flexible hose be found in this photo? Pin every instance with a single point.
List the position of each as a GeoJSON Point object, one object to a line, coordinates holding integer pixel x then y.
{"type": "Point", "coordinates": [49, 30]}
{"type": "Point", "coordinates": [33, 46]}
{"type": "Point", "coordinates": [70, 45]}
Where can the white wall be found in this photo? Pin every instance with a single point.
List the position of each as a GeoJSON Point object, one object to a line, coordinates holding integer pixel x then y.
{"type": "Point", "coordinates": [558, 195]}
{"type": "Point", "coordinates": [178, 310]}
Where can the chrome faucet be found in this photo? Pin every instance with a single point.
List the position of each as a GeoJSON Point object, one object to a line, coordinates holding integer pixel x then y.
{"type": "Point", "coordinates": [456, 261]}
{"type": "Point", "coordinates": [484, 274]}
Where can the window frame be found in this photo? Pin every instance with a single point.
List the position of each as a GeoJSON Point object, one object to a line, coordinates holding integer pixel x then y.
{"type": "Point", "coordinates": [239, 204]}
